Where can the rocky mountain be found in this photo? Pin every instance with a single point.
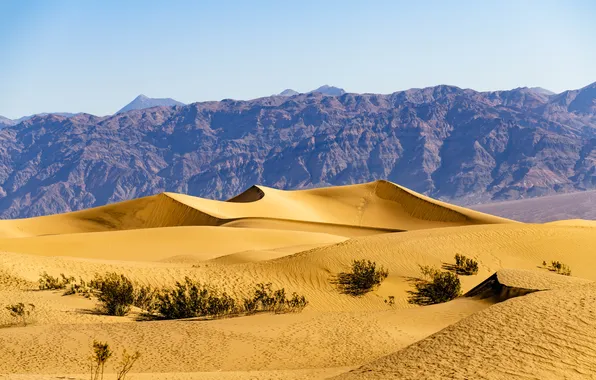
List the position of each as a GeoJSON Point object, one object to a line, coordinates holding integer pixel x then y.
{"type": "Point", "coordinates": [142, 102]}
{"type": "Point", "coordinates": [5, 122]}
{"type": "Point", "coordinates": [443, 141]}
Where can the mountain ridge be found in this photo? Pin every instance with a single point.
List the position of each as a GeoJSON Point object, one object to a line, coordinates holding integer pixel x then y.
{"type": "Point", "coordinates": [442, 141]}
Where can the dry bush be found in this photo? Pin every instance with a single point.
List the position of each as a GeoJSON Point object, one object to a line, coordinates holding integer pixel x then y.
{"type": "Point", "coordinates": [363, 278]}
{"type": "Point", "coordinates": [145, 297]}
{"type": "Point", "coordinates": [116, 293]}
{"type": "Point", "coordinates": [48, 282]}
{"type": "Point", "coordinates": [126, 364]}
{"type": "Point", "coordinates": [101, 354]}
{"type": "Point", "coordinates": [21, 311]}
{"type": "Point", "coordinates": [558, 267]}
{"type": "Point", "coordinates": [266, 299]}
{"type": "Point", "coordinates": [465, 266]}
{"type": "Point", "coordinates": [436, 287]}
{"type": "Point", "coordinates": [192, 299]}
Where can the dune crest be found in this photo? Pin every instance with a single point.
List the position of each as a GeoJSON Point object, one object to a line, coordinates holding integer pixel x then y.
{"type": "Point", "coordinates": [378, 205]}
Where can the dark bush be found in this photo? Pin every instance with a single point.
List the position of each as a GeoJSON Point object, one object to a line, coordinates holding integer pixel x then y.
{"type": "Point", "coordinates": [465, 266]}
{"type": "Point", "coordinates": [191, 299]}
{"type": "Point", "coordinates": [558, 267]}
{"type": "Point", "coordinates": [145, 297]}
{"type": "Point", "coordinates": [21, 311]}
{"type": "Point", "coordinates": [116, 293]}
{"type": "Point", "coordinates": [266, 299]}
{"type": "Point", "coordinates": [436, 287]}
{"type": "Point", "coordinates": [363, 278]}
{"type": "Point", "coordinates": [47, 282]}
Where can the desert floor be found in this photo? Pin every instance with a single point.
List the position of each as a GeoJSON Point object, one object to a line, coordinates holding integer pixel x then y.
{"type": "Point", "coordinates": [521, 321]}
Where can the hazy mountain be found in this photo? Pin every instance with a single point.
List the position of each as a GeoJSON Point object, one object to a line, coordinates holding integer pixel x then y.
{"type": "Point", "coordinates": [5, 122]}
{"type": "Point", "coordinates": [288, 92]}
{"type": "Point", "coordinates": [541, 90]}
{"type": "Point", "coordinates": [443, 141]}
{"type": "Point", "coordinates": [142, 102]}
{"type": "Point", "coordinates": [329, 90]}
{"type": "Point", "coordinates": [65, 114]}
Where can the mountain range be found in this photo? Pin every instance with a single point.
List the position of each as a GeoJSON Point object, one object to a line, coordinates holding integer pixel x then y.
{"type": "Point", "coordinates": [451, 143]}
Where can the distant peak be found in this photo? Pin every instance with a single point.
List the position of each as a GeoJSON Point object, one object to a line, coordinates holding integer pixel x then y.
{"type": "Point", "coordinates": [288, 92]}
{"type": "Point", "coordinates": [329, 90]}
{"type": "Point", "coordinates": [541, 90]}
{"type": "Point", "coordinates": [143, 102]}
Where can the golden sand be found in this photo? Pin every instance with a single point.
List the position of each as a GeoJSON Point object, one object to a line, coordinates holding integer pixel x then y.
{"type": "Point", "coordinates": [299, 240]}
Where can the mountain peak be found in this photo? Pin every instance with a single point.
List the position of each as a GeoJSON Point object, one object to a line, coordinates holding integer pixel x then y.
{"type": "Point", "coordinates": [288, 92]}
{"type": "Point", "coordinates": [143, 101]}
{"type": "Point", "coordinates": [329, 90]}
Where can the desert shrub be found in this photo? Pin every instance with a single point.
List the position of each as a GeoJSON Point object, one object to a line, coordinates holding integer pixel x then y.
{"type": "Point", "coordinates": [145, 297]}
{"type": "Point", "coordinates": [101, 354]}
{"type": "Point", "coordinates": [191, 299]}
{"type": "Point", "coordinates": [48, 282]}
{"type": "Point", "coordinates": [296, 303]}
{"type": "Point", "coordinates": [21, 311]}
{"type": "Point", "coordinates": [116, 293]}
{"type": "Point", "coordinates": [126, 364]}
{"type": "Point", "coordinates": [436, 287]}
{"type": "Point", "coordinates": [81, 287]}
{"type": "Point", "coordinates": [363, 278]}
{"type": "Point", "coordinates": [390, 300]}
{"type": "Point", "coordinates": [465, 265]}
{"type": "Point", "coordinates": [558, 267]}
{"type": "Point", "coordinates": [266, 299]}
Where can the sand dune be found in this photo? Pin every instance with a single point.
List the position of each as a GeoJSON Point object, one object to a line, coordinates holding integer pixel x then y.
{"type": "Point", "coordinates": [198, 243]}
{"type": "Point", "coordinates": [543, 335]}
{"type": "Point", "coordinates": [378, 205]}
{"type": "Point", "coordinates": [298, 240]}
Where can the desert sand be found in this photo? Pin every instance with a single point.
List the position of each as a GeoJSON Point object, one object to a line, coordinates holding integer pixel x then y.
{"type": "Point", "coordinates": [516, 319]}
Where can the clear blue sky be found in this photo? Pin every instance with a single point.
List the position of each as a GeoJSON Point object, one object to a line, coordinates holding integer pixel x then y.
{"type": "Point", "coordinates": [96, 56]}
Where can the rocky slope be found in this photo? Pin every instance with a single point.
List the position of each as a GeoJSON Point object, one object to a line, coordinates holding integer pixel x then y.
{"type": "Point", "coordinates": [443, 141]}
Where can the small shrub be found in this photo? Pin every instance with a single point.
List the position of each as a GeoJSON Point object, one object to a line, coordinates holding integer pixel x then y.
{"type": "Point", "coordinates": [126, 364]}
{"type": "Point", "coordinates": [390, 300]}
{"type": "Point", "coordinates": [558, 267]}
{"type": "Point", "coordinates": [191, 299]}
{"type": "Point", "coordinates": [81, 287]}
{"type": "Point", "coordinates": [296, 303]}
{"type": "Point", "coordinates": [363, 278]}
{"type": "Point", "coordinates": [465, 266]}
{"type": "Point", "coordinates": [145, 297]}
{"type": "Point", "coordinates": [116, 293]}
{"type": "Point", "coordinates": [47, 282]}
{"type": "Point", "coordinates": [436, 287]}
{"type": "Point", "coordinates": [101, 354]}
{"type": "Point", "coordinates": [21, 311]}
{"type": "Point", "coordinates": [266, 299]}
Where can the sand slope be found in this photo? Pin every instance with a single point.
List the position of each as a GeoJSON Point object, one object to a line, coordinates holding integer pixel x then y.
{"type": "Point", "coordinates": [543, 335]}
{"type": "Point", "coordinates": [298, 240]}
{"type": "Point", "coordinates": [378, 206]}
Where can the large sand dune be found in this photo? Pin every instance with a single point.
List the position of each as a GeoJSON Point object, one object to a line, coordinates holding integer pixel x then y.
{"type": "Point", "coordinates": [298, 240]}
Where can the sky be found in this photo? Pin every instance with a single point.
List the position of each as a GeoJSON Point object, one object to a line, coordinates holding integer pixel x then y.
{"type": "Point", "coordinates": [96, 56]}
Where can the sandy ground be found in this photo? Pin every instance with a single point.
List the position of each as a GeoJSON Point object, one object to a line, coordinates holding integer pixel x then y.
{"type": "Point", "coordinates": [299, 240]}
{"type": "Point", "coordinates": [580, 205]}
